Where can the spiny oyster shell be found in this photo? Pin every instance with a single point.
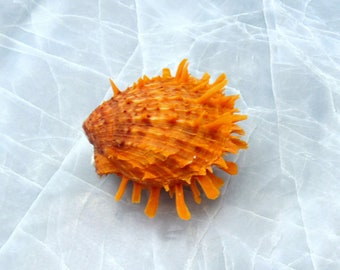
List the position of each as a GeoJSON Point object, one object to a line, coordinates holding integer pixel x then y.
{"type": "Point", "coordinates": [167, 132]}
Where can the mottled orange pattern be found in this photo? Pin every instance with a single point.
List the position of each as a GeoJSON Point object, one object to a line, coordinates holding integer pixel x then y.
{"type": "Point", "coordinates": [165, 133]}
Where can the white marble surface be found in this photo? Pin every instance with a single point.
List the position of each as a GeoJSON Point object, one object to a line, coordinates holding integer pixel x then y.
{"type": "Point", "coordinates": [282, 211]}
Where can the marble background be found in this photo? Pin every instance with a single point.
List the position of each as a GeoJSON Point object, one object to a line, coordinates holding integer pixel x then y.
{"type": "Point", "coordinates": [282, 211]}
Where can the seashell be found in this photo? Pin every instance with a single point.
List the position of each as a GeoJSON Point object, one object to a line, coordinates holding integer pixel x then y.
{"type": "Point", "coordinates": [167, 132]}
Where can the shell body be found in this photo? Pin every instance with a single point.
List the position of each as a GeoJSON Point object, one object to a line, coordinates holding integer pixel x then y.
{"type": "Point", "coordinates": [165, 133]}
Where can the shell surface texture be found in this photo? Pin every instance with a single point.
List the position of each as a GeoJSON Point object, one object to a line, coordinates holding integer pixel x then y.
{"type": "Point", "coordinates": [167, 132]}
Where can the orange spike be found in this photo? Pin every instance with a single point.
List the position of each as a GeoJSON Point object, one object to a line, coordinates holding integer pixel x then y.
{"type": "Point", "coordinates": [115, 89]}
{"type": "Point", "coordinates": [217, 181]}
{"type": "Point", "coordinates": [182, 209]}
{"type": "Point", "coordinates": [215, 88]}
{"type": "Point", "coordinates": [152, 205]}
{"type": "Point", "coordinates": [205, 77]}
{"type": "Point", "coordinates": [239, 143]}
{"type": "Point", "coordinates": [232, 168]}
{"type": "Point", "coordinates": [222, 120]}
{"type": "Point", "coordinates": [166, 73]}
{"type": "Point", "coordinates": [236, 129]}
{"type": "Point", "coordinates": [136, 192]}
{"type": "Point", "coordinates": [195, 191]}
{"type": "Point", "coordinates": [239, 117]}
{"type": "Point", "coordinates": [140, 82]}
{"type": "Point", "coordinates": [227, 166]}
{"type": "Point", "coordinates": [121, 188]}
{"type": "Point", "coordinates": [200, 85]}
{"type": "Point", "coordinates": [208, 187]}
{"type": "Point", "coordinates": [231, 148]}
{"type": "Point", "coordinates": [222, 164]}
{"type": "Point", "coordinates": [209, 169]}
{"type": "Point", "coordinates": [171, 191]}
{"type": "Point", "coordinates": [221, 78]}
{"type": "Point", "coordinates": [166, 187]}
{"type": "Point", "coordinates": [229, 101]}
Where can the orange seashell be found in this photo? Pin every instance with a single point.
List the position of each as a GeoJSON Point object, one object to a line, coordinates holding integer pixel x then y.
{"type": "Point", "coordinates": [167, 132]}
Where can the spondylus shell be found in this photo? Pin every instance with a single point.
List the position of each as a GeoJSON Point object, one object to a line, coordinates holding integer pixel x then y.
{"type": "Point", "coordinates": [167, 132]}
